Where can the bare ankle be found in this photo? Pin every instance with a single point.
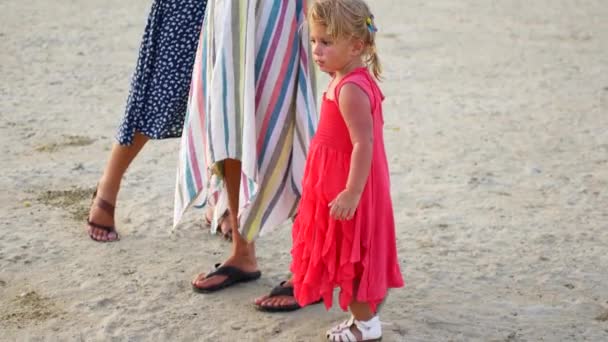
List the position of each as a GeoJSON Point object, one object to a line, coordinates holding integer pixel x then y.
{"type": "Point", "coordinates": [243, 250]}
{"type": "Point", "coordinates": [108, 189]}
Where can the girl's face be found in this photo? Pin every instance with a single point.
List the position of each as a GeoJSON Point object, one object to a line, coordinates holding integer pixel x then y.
{"type": "Point", "coordinates": [332, 55]}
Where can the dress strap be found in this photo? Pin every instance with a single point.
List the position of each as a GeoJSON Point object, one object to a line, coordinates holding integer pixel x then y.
{"type": "Point", "coordinates": [361, 78]}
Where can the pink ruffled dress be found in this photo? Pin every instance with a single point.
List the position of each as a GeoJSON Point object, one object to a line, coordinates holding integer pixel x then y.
{"type": "Point", "coordinates": [355, 255]}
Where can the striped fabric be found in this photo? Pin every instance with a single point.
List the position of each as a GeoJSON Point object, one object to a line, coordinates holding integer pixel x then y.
{"type": "Point", "coordinates": [252, 99]}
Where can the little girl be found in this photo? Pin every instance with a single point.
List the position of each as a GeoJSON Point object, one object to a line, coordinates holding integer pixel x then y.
{"type": "Point", "coordinates": [344, 234]}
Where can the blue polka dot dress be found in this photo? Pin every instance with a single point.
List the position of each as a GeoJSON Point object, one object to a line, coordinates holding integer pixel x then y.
{"type": "Point", "coordinates": [156, 106]}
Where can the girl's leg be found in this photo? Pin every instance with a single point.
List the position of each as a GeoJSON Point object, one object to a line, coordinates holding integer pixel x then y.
{"type": "Point", "coordinates": [243, 252]}
{"type": "Point", "coordinates": [109, 185]}
{"type": "Point", "coordinates": [361, 311]}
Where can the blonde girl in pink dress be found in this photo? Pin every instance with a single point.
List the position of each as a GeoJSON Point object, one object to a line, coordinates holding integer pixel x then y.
{"type": "Point", "coordinates": [344, 234]}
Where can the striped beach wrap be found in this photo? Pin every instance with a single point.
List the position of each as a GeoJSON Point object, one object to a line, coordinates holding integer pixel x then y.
{"type": "Point", "coordinates": [252, 98]}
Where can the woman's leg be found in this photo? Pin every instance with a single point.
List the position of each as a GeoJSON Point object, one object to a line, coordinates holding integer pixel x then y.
{"type": "Point", "coordinates": [241, 249]}
{"type": "Point", "coordinates": [243, 252]}
{"type": "Point", "coordinates": [109, 185]}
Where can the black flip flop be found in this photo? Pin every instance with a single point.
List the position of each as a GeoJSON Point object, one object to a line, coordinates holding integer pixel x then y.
{"type": "Point", "coordinates": [281, 290]}
{"type": "Point", "coordinates": [233, 275]}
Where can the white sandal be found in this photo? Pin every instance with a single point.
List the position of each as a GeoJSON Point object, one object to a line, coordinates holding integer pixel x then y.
{"type": "Point", "coordinates": [338, 328]}
{"type": "Point", "coordinates": [370, 330]}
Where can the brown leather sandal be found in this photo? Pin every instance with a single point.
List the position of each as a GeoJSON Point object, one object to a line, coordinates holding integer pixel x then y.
{"type": "Point", "coordinates": [109, 209]}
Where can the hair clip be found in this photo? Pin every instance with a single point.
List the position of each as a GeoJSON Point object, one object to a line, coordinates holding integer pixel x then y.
{"type": "Point", "coordinates": [370, 24]}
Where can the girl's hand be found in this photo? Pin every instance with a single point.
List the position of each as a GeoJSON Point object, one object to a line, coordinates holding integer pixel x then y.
{"type": "Point", "coordinates": [343, 207]}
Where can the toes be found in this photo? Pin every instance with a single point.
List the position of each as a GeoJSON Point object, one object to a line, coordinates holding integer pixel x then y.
{"type": "Point", "coordinates": [285, 301]}
{"type": "Point", "coordinates": [268, 302]}
{"type": "Point", "coordinates": [111, 236]}
{"type": "Point", "coordinates": [95, 234]}
{"type": "Point", "coordinates": [198, 279]}
{"type": "Point", "coordinates": [202, 282]}
{"type": "Point", "coordinates": [92, 232]}
{"type": "Point", "coordinates": [101, 236]}
{"type": "Point", "coordinates": [260, 300]}
{"type": "Point", "coordinates": [275, 302]}
{"type": "Point", "coordinates": [279, 301]}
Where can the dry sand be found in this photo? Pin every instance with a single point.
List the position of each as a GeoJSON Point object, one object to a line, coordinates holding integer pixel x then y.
{"type": "Point", "coordinates": [497, 134]}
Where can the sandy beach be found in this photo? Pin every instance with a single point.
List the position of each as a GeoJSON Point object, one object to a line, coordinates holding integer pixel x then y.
{"type": "Point", "coordinates": [497, 137]}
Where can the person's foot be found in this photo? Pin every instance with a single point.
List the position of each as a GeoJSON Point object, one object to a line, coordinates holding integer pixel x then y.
{"type": "Point", "coordinates": [356, 332]}
{"type": "Point", "coordinates": [100, 224]}
{"type": "Point", "coordinates": [277, 302]}
{"type": "Point", "coordinates": [340, 334]}
{"type": "Point", "coordinates": [243, 263]}
{"type": "Point", "coordinates": [208, 217]}
{"type": "Point", "coordinates": [224, 227]}
{"type": "Point", "coordinates": [350, 330]}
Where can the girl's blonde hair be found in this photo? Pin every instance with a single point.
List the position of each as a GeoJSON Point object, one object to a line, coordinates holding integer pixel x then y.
{"type": "Point", "coordinates": [348, 19]}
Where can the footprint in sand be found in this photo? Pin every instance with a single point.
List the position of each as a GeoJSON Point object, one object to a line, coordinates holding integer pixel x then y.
{"type": "Point", "coordinates": [76, 201]}
{"type": "Point", "coordinates": [29, 308]}
{"type": "Point", "coordinates": [68, 141]}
